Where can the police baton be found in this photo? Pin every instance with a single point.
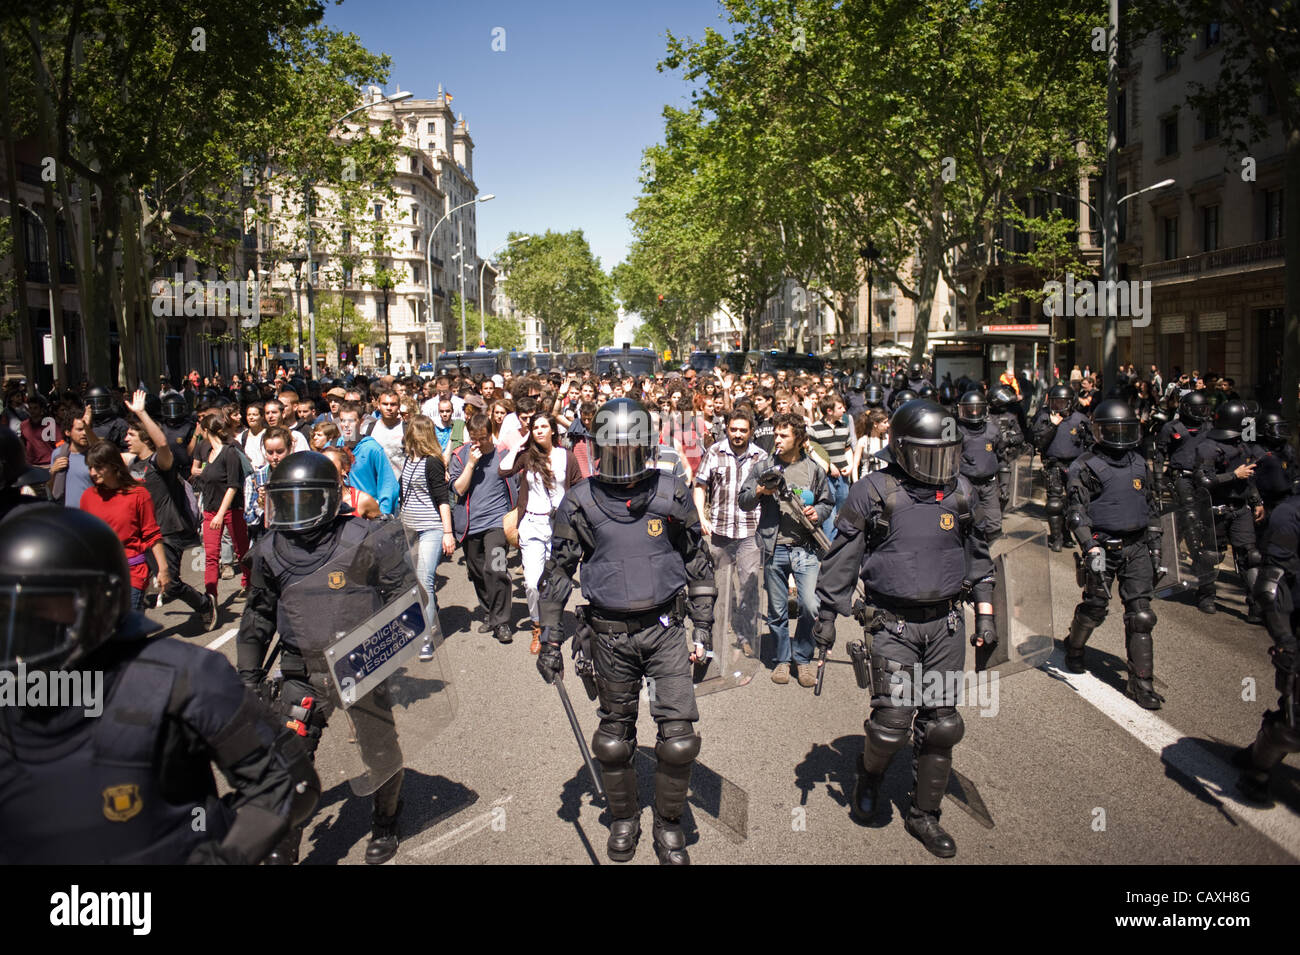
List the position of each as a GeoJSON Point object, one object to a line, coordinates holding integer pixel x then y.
{"type": "Point", "coordinates": [577, 734]}
{"type": "Point", "coordinates": [821, 672]}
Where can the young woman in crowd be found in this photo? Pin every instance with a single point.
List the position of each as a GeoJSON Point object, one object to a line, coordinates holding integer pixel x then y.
{"type": "Point", "coordinates": [426, 507]}
{"type": "Point", "coordinates": [219, 481]}
{"type": "Point", "coordinates": [124, 504]}
{"type": "Point", "coordinates": [362, 504]}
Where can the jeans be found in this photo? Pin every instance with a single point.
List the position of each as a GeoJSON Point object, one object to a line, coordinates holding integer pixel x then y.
{"type": "Point", "coordinates": [428, 556]}
{"type": "Point", "coordinates": [840, 488]}
{"type": "Point", "coordinates": [534, 549]}
{"type": "Point", "coordinates": [234, 522]}
{"type": "Point", "coordinates": [803, 565]}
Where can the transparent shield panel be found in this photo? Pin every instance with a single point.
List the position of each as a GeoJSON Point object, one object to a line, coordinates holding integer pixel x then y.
{"type": "Point", "coordinates": [1027, 486]}
{"type": "Point", "coordinates": [1022, 609]}
{"type": "Point", "coordinates": [1189, 554]}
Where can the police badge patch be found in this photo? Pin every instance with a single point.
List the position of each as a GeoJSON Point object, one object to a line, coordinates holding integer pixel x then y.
{"type": "Point", "coordinates": [945, 521]}
{"type": "Point", "coordinates": [1137, 484]}
{"type": "Point", "coordinates": [654, 527]}
{"type": "Point", "coordinates": [336, 580]}
{"type": "Point", "coordinates": [988, 446]}
{"type": "Point", "coordinates": [122, 803]}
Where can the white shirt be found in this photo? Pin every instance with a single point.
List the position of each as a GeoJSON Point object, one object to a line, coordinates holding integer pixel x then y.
{"type": "Point", "coordinates": [390, 439]}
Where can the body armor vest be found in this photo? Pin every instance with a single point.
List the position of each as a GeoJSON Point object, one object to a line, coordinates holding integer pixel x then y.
{"type": "Point", "coordinates": [1067, 443]}
{"type": "Point", "coordinates": [1121, 507]}
{"type": "Point", "coordinates": [917, 553]}
{"type": "Point", "coordinates": [979, 457]}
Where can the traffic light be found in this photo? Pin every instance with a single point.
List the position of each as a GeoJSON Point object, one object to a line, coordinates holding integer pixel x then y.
{"type": "Point", "coordinates": [661, 299]}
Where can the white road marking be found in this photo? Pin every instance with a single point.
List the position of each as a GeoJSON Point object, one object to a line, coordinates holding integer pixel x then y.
{"type": "Point", "coordinates": [222, 640]}
{"type": "Point", "coordinates": [1217, 777]}
{"type": "Point", "coordinates": [461, 832]}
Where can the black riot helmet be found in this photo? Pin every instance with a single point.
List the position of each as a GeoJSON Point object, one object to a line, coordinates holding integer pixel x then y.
{"type": "Point", "coordinates": [1228, 421]}
{"type": "Point", "coordinates": [14, 469]}
{"type": "Point", "coordinates": [1273, 431]}
{"type": "Point", "coordinates": [923, 442]}
{"type": "Point", "coordinates": [1194, 408]}
{"type": "Point", "coordinates": [625, 442]}
{"type": "Point", "coordinates": [1116, 426]}
{"type": "Point", "coordinates": [858, 381]}
{"type": "Point", "coordinates": [926, 391]}
{"type": "Point", "coordinates": [303, 493]}
{"type": "Point", "coordinates": [175, 408]}
{"type": "Point", "coordinates": [973, 409]}
{"type": "Point", "coordinates": [1001, 399]}
{"type": "Point", "coordinates": [100, 401]}
{"type": "Point", "coordinates": [1060, 400]}
{"type": "Point", "coordinates": [901, 397]}
{"type": "Point", "coordinates": [947, 394]}
{"type": "Point", "coordinates": [249, 394]}
{"type": "Point", "coordinates": [917, 369]}
{"type": "Point", "coordinates": [65, 588]}
{"type": "Point", "coordinates": [153, 406]}
{"type": "Point", "coordinates": [873, 396]}
{"type": "Point", "coordinates": [899, 381]}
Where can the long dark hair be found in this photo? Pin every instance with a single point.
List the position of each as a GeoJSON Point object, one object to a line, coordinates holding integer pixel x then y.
{"type": "Point", "coordinates": [104, 456]}
{"type": "Point", "coordinates": [537, 460]}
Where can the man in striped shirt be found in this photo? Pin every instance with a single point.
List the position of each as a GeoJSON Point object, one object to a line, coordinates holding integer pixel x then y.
{"type": "Point", "coordinates": [732, 532]}
{"type": "Point", "coordinates": [832, 433]}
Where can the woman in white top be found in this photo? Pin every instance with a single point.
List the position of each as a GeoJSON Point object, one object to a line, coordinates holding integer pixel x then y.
{"type": "Point", "coordinates": [549, 470]}
{"type": "Point", "coordinates": [874, 427]}
{"type": "Point", "coordinates": [426, 507]}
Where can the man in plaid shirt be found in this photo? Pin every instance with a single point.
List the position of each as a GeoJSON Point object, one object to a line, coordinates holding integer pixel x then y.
{"type": "Point", "coordinates": [732, 532]}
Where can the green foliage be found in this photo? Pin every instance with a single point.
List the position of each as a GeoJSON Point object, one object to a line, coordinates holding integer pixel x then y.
{"type": "Point", "coordinates": [1053, 251]}
{"type": "Point", "coordinates": [556, 278]}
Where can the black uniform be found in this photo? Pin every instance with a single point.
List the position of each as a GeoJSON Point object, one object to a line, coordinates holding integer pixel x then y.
{"type": "Point", "coordinates": [370, 572]}
{"type": "Point", "coordinates": [1277, 591]}
{"type": "Point", "coordinates": [1234, 501]}
{"type": "Point", "coordinates": [133, 782]}
{"type": "Point", "coordinates": [1276, 475]}
{"type": "Point", "coordinates": [1112, 506]}
{"type": "Point", "coordinates": [1059, 445]}
{"type": "Point", "coordinates": [1175, 451]}
{"type": "Point", "coordinates": [916, 550]}
{"type": "Point", "coordinates": [981, 459]}
{"type": "Point", "coordinates": [639, 546]}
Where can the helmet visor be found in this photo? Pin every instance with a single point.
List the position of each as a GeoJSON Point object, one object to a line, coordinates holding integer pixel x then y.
{"type": "Point", "coordinates": [1060, 405]}
{"type": "Point", "coordinates": [1117, 434]}
{"type": "Point", "coordinates": [1275, 431]}
{"type": "Point", "coordinates": [300, 508]}
{"type": "Point", "coordinates": [623, 463]}
{"type": "Point", "coordinates": [43, 624]}
{"type": "Point", "coordinates": [929, 463]}
{"type": "Point", "coordinates": [100, 404]}
{"type": "Point", "coordinates": [973, 412]}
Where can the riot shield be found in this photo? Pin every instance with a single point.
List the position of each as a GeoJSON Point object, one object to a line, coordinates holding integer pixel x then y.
{"type": "Point", "coordinates": [1189, 556]}
{"type": "Point", "coordinates": [369, 617]}
{"type": "Point", "coordinates": [1023, 488]}
{"type": "Point", "coordinates": [736, 635]}
{"type": "Point", "coordinates": [1022, 610]}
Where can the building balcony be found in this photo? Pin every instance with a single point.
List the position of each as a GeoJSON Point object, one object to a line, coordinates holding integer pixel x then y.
{"type": "Point", "coordinates": [1240, 258]}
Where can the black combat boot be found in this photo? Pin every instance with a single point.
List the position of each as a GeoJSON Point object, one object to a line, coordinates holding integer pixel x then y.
{"type": "Point", "coordinates": [1253, 782]}
{"type": "Point", "coordinates": [670, 842]}
{"type": "Point", "coordinates": [925, 827]}
{"type": "Point", "coordinates": [286, 853]}
{"type": "Point", "coordinates": [624, 834]}
{"type": "Point", "coordinates": [383, 838]}
{"type": "Point", "coordinates": [866, 805]}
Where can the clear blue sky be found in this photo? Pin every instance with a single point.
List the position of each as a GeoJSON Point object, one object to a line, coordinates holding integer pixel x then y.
{"type": "Point", "coordinates": [559, 119]}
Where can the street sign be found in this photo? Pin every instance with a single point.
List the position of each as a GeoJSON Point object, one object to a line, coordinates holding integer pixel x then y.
{"type": "Point", "coordinates": [435, 332]}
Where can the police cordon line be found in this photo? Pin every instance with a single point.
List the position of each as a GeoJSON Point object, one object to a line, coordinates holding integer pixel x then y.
{"type": "Point", "coordinates": [664, 500]}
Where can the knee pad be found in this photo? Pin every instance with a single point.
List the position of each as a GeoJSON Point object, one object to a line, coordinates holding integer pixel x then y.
{"type": "Point", "coordinates": [614, 743]}
{"type": "Point", "coordinates": [1055, 504]}
{"type": "Point", "coordinates": [888, 727]}
{"type": "Point", "coordinates": [1092, 610]}
{"type": "Point", "coordinates": [944, 729]}
{"type": "Point", "coordinates": [1140, 617]}
{"type": "Point", "coordinates": [678, 744]}
{"type": "Point", "coordinates": [1276, 733]}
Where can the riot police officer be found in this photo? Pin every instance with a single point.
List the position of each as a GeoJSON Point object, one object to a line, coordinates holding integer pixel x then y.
{"type": "Point", "coordinates": [105, 421]}
{"type": "Point", "coordinates": [1277, 590]}
{"type": "Point", "coordinates": [899, 398]}
{"type": "Point", "coordinates": [1276, 473]}
{"type": "Point", "coordinates": [307, 539]}
{"type": "Point", "coordinates": [916, 377]}
{"type": "Point", "coordinates": [981, 459]}
{"type": "Point", "coordinates": [1175, 445]}
{"type": "Point", "coordinates": [897, 383]}
{"type": "Point", "coordinates": [1115, 518]}
{"type": "Point", "coordinates": [908, 530]}
{"type": "Point", "coordinates": [873, 396]}
{"type": "Point", "coordinates": [16, 473]}
{"type": "Point", "coordinates": [1004, 417]}
{"type": "Point", "coordinates": [852, 392]}
{"type": "Point", "coordinates": [948, 396]}
{"type": "Point", "coordinates": [178, 425]}
{"type": "Point", "coordinates": [123, 773]}
{"type": "Point", "coordinates": [1224, 467]}
{"type": "Point", "coordinates": [637, 536]}
{"type": "Point", "coordinates": [1062, 433]}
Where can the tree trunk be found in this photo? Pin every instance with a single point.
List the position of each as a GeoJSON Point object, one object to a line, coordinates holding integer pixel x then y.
{"type": "Point", "coordinates": [931, 253]}
{"type": "Point", "coordinates": [1291, 280]}
{"type": "Point", "coordinates": [22, 327]}
{"type": "Point", "coordinates": [103, 304]}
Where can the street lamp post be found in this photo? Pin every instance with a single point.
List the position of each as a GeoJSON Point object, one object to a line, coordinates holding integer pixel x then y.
{"type": "Point", "coordinates": [56, 324]}
{"type": "Point", "coordinates": [298, 258]}
{"type": "Point", "coordinates": [428, 253]}
{"type": "Point", "coordinates": [871, 254]}
{"type": "Point", "coordinates": [482, 326]}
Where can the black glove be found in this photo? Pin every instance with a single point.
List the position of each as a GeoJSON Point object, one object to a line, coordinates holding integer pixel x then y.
{"type": "Point", "coordinates": [1153, 548]}
{"type": "Point", "coordinates": [824, 633]}
{"type": "Point", "coordinates": [986, 630]}
{"type": "Point", "coordinates": [550, 661]}
{"type": "Point", "coordinates": [704, 637]}
{"type": "Point", "coordinates": [211, 853]}
{"type": "Point", "coordinates": [1285, 658]}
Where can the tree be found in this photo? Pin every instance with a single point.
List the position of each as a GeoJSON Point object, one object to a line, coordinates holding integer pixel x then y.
{"type": "Point", "coordinates": [555, 277]}
{"type": "Point", "coordinates": [334, 311]}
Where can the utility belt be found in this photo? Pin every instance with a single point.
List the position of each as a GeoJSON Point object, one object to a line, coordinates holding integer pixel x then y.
{"type": "Point", "coordinates": [1227, 510]}
{"type": "Point", "coordinates": [611, 621]}
{"type": "Point", "coordinates": [1182, 472]}
{"type": "Point", "coordinates": [891, 616]}
{"type": "Point", "coordinates": [980, 482]}
{"type": "Point", "coordinates": [1113, 543]}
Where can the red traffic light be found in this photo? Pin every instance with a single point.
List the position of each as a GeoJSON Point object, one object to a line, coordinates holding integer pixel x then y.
{"type": "Point", "coordinates": [661, 299]}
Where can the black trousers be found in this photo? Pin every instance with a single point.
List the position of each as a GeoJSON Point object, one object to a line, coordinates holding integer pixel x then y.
{"type": "Point", "coordinates": [485, 556]}
{"type": "Point", "coordinates": [174, 545]}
